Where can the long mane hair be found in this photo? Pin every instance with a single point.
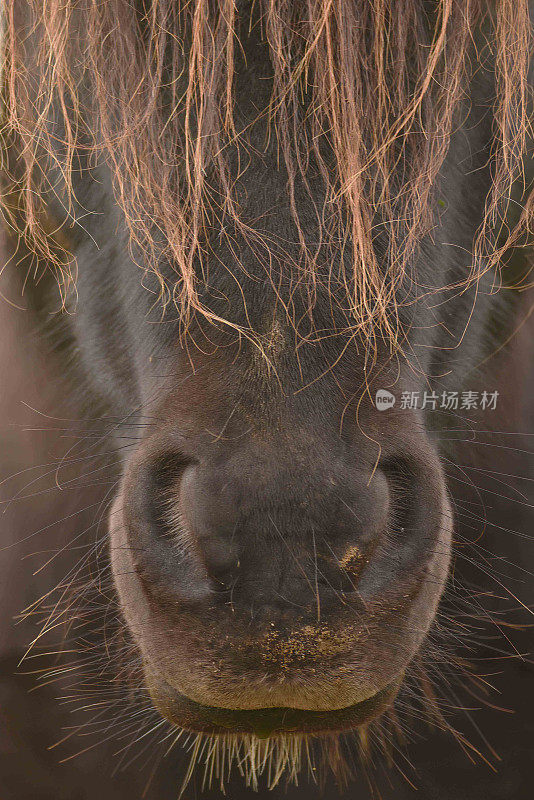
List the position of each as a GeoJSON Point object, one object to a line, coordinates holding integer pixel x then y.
{"type": "Point", "coordinates": [364, 96]}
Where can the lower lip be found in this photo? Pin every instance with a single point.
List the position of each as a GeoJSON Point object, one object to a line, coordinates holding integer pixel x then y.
{"type": "Point", "coordinates": [268, 722]}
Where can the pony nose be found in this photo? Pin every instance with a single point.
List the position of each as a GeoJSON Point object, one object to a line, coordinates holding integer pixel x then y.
{"type": "Point", "coordinates": [271, 534]}
{"type": "Point", "coordinates": [255, 577]}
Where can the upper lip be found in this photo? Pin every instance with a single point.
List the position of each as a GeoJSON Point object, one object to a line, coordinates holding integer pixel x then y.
{"type": "Point", "coordinates": [266, 722]}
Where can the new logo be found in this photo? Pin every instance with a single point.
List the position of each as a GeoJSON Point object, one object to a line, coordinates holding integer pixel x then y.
{"type": "Point", "coordinates": [384, 400]}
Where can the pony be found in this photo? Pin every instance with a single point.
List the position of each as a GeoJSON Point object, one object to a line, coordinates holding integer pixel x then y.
{"type": "Point", "coordinates": [276, 255]}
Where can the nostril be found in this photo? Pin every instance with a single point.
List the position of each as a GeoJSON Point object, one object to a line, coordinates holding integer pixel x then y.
{"type": "Point", "coordinates": [416, 536]}
{"type": "Point", "coordinates": [161, 542]}
{"type": "Point", "coordinates": [162, 508]}
{"type": "Point", "coordinates": [404, 482]}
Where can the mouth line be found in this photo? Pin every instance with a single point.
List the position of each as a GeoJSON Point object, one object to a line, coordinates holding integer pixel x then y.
{"type": "Point", "coordinates": [265, 723]}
